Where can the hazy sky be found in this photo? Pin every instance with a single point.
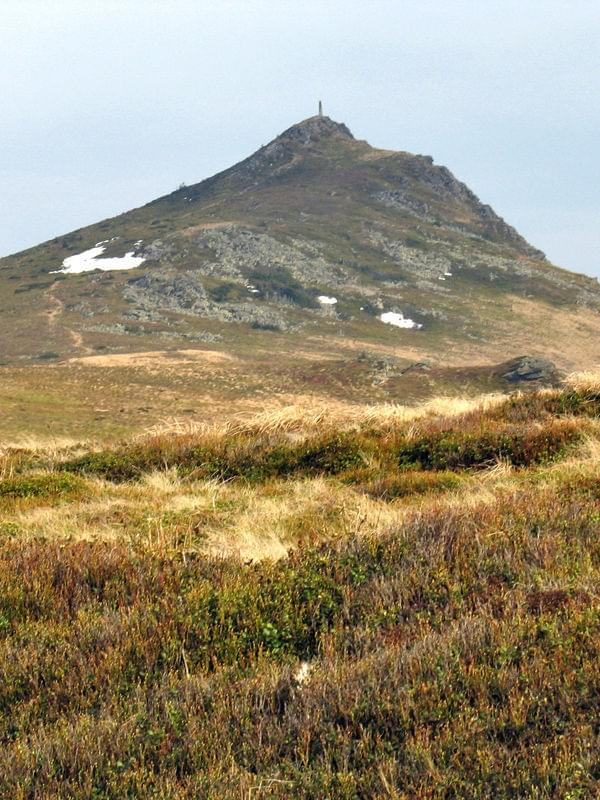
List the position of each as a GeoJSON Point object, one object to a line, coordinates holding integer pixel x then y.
{"type": "Point", "coordinates": [106, 105]}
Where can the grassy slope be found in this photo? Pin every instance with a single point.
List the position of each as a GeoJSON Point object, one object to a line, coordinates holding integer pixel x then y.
{"type": "Point", "coordinates": [433, 633]}
{"type": "Point", "coordinates": [325, 195]}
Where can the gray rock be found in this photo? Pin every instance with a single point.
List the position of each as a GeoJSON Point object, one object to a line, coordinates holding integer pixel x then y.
{"type": "Point", "coordinates": [530, 368]}
{"type": "Point", "coordinates": [158, 251]}
{"type": "Point", "coordinates": [238, 251]}
{"type": "Point", "coordinates": [184, 293]}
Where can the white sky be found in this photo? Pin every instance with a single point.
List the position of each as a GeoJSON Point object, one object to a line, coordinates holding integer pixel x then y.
{"type": "Point", "coordinates": [106, 105]}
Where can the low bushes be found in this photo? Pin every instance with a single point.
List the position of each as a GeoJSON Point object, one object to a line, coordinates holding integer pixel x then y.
{"type": "Point", "coordinates": [524, 430]}
{"type": "Point", "coordinates": [454, 657]}
{"type": "Point", "coordinates": [459, 449]}
{"type": "Point", "coordinates": [335, 453]}
{"type": "Point", "coordinates": [47, 487]}
{"type": "Point", "coordinates": [225, 459]}
{"type": "Point", "coordinates": [394, 485]}
{"type": "Point", "coordinates": [538, 406]}
{"type": "Point", "coordinates": [452, 654]}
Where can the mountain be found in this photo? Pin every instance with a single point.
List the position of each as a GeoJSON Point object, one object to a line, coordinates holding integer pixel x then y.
{"type": "Point", "coordinates": [320, 255]}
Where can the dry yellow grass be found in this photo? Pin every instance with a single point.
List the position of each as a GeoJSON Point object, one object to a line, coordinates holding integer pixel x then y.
{"type": "Point", "coordinates": [263, 520]}
{"type": "Point", "coordinates": [156, 359]}
{"type": "Point", "coordinates": [585, 380]}
{"type": "Point", "coordinates": [306, 419]}
{"type": "Point", "coordinates": [250, 522]}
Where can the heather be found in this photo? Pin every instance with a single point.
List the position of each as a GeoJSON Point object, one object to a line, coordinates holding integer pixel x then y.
{"type": "Point", "coordinates": [379, 606]}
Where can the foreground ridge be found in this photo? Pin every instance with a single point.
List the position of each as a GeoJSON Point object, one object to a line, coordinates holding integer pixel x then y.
{"type": "Point", "coordinates": [394, 582]}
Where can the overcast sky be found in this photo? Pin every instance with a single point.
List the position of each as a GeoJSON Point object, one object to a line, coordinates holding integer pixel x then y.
{"type": "Point", "coordinates": [106, 105]}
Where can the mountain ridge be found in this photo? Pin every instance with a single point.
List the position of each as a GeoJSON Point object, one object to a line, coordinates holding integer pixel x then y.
{"type": "Point", "coordinates": [407, 257]}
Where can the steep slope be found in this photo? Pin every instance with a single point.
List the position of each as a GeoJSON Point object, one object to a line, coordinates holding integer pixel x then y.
{"type": "Point", "coordinates": [317, 240]}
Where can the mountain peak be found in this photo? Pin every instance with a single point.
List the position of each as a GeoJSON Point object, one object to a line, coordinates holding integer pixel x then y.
{"type": "Point", "coordinates": [302, 136]}
{"type": "Point", "coordinates": [314, 129]}
{"type": "Point", "coordinates": [315, 231]}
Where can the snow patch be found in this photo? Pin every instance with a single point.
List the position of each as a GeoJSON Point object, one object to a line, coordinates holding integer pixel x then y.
{"type": "Point", "coordinates": [399, 320]}
{"type": "Point", "coordinates": [326, 301]}
{"type": "Point", "coordinates": [89, 261]}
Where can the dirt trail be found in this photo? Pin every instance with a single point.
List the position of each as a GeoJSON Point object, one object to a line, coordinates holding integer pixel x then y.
{"type": "Point", "coordinates": [57, 306]}
{"type": "Point", "coordinates": [55, 311]}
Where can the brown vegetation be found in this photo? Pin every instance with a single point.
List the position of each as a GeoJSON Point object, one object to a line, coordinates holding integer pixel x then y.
{"type": "Point", "coordinates": [405, 622]}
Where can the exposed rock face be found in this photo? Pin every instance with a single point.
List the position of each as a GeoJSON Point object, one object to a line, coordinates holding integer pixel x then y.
{"type": "Point", "coordinates": [444, 187]}
{"type": "Point", "coordinates": [176, 291]}
{"type": "Point", "coordinates": [383, 368]}
{"type": "Point", "coordinates": [314, 129]}
{"type": "Point", "coordinates": [183, 292]}
{"type": "Point", "coordinates": [239, 251]}
{"type": "Point", "coordinates": [529, 369]}
{"type": "Point", "coordinates": [277, 157]}
{"type": "Point", "coordinates": [157, 251]}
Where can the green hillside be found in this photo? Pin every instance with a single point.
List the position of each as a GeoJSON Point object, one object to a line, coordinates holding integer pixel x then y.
{"type": "Point", "coordinates": [315, 213]}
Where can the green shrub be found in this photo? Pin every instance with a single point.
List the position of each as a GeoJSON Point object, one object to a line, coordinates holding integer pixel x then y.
{"type": "Point", "coordinates": [51, 485]}
{"type": "Point", "coordinates": [236, 458]}
{"type": "Point", "coordinates": [459, 449]}
{"type": "Point", "coordinates": [228, 292]}
{"type": "Point", "coordinates": [539, 406]}
{"type": "Point", "coordinates": [279, 281]}
{"type": "Point", "coordinates": [405, 484]}
{"type": "Point", "coordinates": [264, 326]}
{"type": "Point", "coordinates": [453, 656]}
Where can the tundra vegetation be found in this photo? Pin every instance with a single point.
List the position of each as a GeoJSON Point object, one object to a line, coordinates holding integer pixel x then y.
{"type": "Point", "coordinates": [385, 604]}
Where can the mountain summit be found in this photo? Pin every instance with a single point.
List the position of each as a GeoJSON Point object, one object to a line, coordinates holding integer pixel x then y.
{"type": "Point", "coordinates": [314, 129]}
{"type": "Point", "coordinates": [316, 238]}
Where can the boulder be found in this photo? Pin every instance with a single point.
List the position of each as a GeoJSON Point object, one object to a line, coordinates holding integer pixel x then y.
{"type": "Point", "coordinates": [529, 369]}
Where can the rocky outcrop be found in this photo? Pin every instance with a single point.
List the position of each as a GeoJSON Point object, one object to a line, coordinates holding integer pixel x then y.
{"type": "Point", "coordinates": [312, 130]}
{"type": "Point", "coordinates": [184, 293]}
{"type": "Point", "coordinates": [239, 252]}
{"type": "Point", "coordinates": [315, 213]}
{"type": "Point", "coordinates": [529, 369]}
{"type": "Point", "coordinates": [445, 193]}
